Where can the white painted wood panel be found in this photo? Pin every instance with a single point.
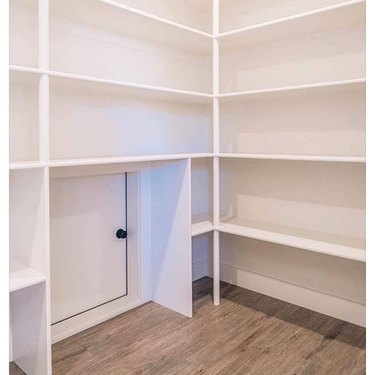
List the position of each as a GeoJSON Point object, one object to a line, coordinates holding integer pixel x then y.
{"type": "Point", "coordinates": [95, 120]}
{"type": "Point", "coordinates": [123, 46]}
{"type": "Point", "coordinates": [323, 121]}
{"type": "Point", "coordinates": [314, 196]}
{"type": "Point", "coordinates": [171, 265]}
{"type": "Point", "coordinates": [27, 218]}
{"type": "Point", "coordinates": [23, 117]}
{"type": "Point", "coordinates": [23, 32]}
{"type": "Point", "coordinates": [28, 322]}
{"type": "Point", "coordinates": [324, 47]}
{"type": "Point", "coordinates": [88, 262]}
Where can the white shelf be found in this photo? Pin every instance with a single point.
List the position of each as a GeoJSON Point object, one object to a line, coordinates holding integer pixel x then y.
{"type": "Point", "coordinates": [319, 242]}
{"type": "Point", "coordinates": [201, 223]}
{"type": "Point", "coordinates": [26, 165]}
{"type": "Point", "coordinates": [322, 85]}
{"type": "Point", "coordinates": [111, 15]}
{"type": "Point", "coordinates": [349, 12]}
{"type": "Point", "coordinates": [137, 89]}
{"type": "Point", "coordinates": [22, 276]}
{"type": "Point", "coordinates": [25, 69]}
{"type": "Point", "coordinates": [319, 158]}
{"type": "Point", "coordinates": [123, 159]}
{"type": "Point", "coordinates": [152, 17]}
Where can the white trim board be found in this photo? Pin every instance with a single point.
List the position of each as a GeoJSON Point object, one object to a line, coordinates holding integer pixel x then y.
{"type": "Point", "coordinates": [336, 307]}
{"type": "Point", "coordinates": [91, 318]}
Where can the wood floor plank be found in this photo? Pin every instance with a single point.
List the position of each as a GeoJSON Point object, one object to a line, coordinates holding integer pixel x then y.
{"type": "Point", "coordinates": [248, 333]}
{"type": "Point", "coordinates": [14, 369]}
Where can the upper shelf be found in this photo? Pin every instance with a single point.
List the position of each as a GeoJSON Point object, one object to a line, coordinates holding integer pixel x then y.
{"type": "Point", "coordinates": [22, 276]}
{"type": "Point", "coordinates": [114, 16]}
{"type": "Point", "coordinates": [344, 14]}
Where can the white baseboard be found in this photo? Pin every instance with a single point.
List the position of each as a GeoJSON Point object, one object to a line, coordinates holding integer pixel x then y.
{"type": "Point", "coordinates": [91, 318]}
{"type": "Point", "coordinates": [343, 309]}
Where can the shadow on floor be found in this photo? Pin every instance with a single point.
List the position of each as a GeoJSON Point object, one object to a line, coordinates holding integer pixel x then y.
{"type": "Point", "coordinates": [326, 326]}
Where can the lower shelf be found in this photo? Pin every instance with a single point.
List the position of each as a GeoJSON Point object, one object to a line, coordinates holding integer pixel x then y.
{"type": "Point", "coordinates": [21, 276]}
{"type": "Point", "coordinates": [320, 242]}
{"type": "Point", "coordinates": [201, 223]}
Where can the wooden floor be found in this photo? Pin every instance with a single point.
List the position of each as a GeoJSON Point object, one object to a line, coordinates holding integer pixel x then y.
{"type": "Point", "coordinates": [248, 333]}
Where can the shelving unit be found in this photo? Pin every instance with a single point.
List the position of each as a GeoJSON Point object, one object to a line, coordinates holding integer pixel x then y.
{"type": "Point", "coordinates": [239, 14]}
{"type": "Point", "coordinates": [113, 46]}
{"type": "Point", "coordinates": [241, 128]}
{"type": "Point", "coordinates": [300, 51]}
{"type": "Point", "coordinates": [331, 212]}
{"type": "Point", "coordinates": [123, 122]}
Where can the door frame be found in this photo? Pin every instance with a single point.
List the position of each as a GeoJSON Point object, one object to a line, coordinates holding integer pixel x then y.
{"type": "Point", "coordinates": [137, 293]}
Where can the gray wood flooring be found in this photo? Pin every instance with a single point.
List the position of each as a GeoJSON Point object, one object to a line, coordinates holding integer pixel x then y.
{"type": "Point", "coordinates": [249, 333]}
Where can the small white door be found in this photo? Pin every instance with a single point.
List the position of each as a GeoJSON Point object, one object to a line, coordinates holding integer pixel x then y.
{"type": "Point", "coordinates": [88, 261]}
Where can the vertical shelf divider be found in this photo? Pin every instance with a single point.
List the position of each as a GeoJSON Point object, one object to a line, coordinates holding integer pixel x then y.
{"type": "Point", "coordinates": [44, 117]}
{"type": "Point", "coordinates": [216, 147]}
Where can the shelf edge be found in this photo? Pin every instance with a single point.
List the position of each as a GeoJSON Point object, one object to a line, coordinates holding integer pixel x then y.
{"type": "Point", "coordinates": [289, 240]}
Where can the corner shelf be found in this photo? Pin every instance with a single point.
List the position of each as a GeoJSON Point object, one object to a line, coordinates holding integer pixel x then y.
{"type": "Point", "coordinates": [201, 224]}
{"type": "Point", "coordinates": [22, 276]}
{"type": "Point", "coordinates": [319, 242]}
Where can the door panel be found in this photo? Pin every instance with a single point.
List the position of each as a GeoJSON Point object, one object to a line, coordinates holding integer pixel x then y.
{"type": "Point", "coordinates": [88, 262]}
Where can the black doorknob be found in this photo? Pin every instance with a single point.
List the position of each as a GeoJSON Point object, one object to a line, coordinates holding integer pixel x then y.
{"type": "Point", "coordinates": [121, 234]}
